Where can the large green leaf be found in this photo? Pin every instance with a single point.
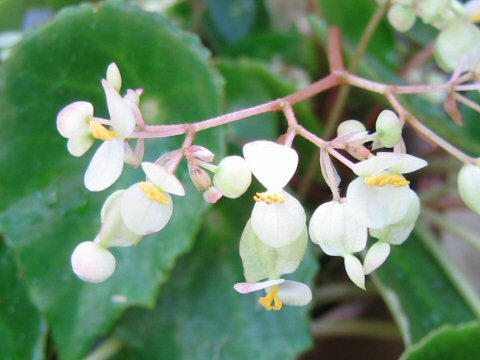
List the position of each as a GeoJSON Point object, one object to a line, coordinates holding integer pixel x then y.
{"type": "Point", "coordinates": [418, 292]}
{"type": "Point", "coordinates": [23, 330]}
{"type": "Point", "coordinates": [200, 316]}
{"type": "Point", "coordinates": [448, 343]}
{"type": "Point", "coordinates": [47, 210]}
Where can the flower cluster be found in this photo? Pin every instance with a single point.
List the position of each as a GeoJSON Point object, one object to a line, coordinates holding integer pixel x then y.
{"type": "Point", "coordinates": [458, 41]}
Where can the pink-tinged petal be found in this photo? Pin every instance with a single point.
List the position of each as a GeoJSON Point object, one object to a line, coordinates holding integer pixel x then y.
{"type": "Point", "coordinates": [73, 119]}
{"type": "Point", "coordinates": [79, 145]}
{"type": "Point", "coordinates": [165, 180]}
{"type": "Point", "coordinates": [91, 262]}
{"type": "Point", "coordinates": [122, 116]}
{"type": "Point", "coordinates": [143, 215]}
{"type": "Point", "coordinates": [294, 293]}
{"type": "Point", "coordinates": [106, 165]}
{"type": "Point", "coordinates": [246, 288]}
{"type": "Point", "coordinates": [272, 164]}
{"type": "Point", "coordinates": [376, 256]}
{"type": "Point", "coordinates": [212, 195]}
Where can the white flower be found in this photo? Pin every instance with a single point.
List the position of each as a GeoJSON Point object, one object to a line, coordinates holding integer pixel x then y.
{"type": "Point", "coordinates": [92, 262]}
{"type": "Point", "coordinates": [380, 196]}
{"type": "Point", "coordinates": [261, 261]}
{"type": "Point", "coordinates": [146, 207]}
{"type": "Point", "coordinates": [394, 234]}
{"type": "Point", "coordinates": [107, 163]}
{"type": "Point", "coordinates": [277, 217]}
{"type": "Point", "coordinates": [334, 228]}
{"type": "Point", "coordinates": [114, 232]}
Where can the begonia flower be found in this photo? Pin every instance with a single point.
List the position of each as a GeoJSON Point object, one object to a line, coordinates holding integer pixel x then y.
{"type": "Point", "coordinates": [146, 207]}
{"type": "Point", "coordinates": [380, 196]}
{"type": "Point", "coordinates": [277, 217]}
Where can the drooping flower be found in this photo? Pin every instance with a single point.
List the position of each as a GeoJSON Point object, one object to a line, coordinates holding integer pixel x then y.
{"type": "Point", "coordinates": [77, 123]}
{"type": "Point", "coordinates": [394, 234]}
{"type": "Point", "coordinates": [277, 217]}
{"type": "Point", "coordinates": [261, 261]}
{"type": "Point", "coordinates": [334, 228]}
{"type": "Point", "coordinates": [380, 196]}
{"type": "Point", "coordinates": [92, 262]}
{"type": "Point", "coordinates": [146, 207]}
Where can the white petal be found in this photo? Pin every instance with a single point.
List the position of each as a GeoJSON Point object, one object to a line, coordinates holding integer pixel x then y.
{"type": "Point", "coordinates": [294, 293]}
{"type": "Point", "coordinates": [377, 164]}
{"type": "Point", "coordinates": [397, 233]}
{"type": "Point", "coordinates": [72, 120]}
{"type": "Point", "coordinates": [376, 256]}
{"type": "Point", "coordinates": [246, 288]}
{"type": "Point", "coordinates": [79, 145]}
{"type": "Point", "coordinates": [290, 257]}
{"type": "Point", "coordinates": [114, 232]}
{"type": "Point", "coordinates": [143, 215]}
{"type": "Point", "coordinates": [92, 263]}
{"type": "Point", "coordinates": [272, 164]}
{"type": "Point", "coordinates": [377, 207]}
{"type": "Point", "coordinates": [406, 164]}
{"type": "Point", "coordinates": [106, 165]}
{"type": "Point", "coordinates": [278, 224]}
{"type": "Point", "coordinates": [356, 234]}
{"type": "Point", "coordinates": [468, 186]}
{"type": "Point", "coordinates": [114, 77]}
{"type": "Point", "coordinates": [123, 119]}
{"type": "Point", "coordinates": [355, 271]}
{"type": "Point", "coordinates": [165, 180]}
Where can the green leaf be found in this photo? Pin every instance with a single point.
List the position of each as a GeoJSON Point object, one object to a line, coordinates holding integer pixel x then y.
{"type": "Point", "coordinates": [12, 12]}
{"type": "Point", "coordinates": [46, 210]}
{"type": "Point", "coordinates": [229, 21]}
{"type": "Point", "coordinates": [200, 316]}
{"type": "Point", "coordinates": [448, 343]}
{"type": "Point", "coordinates": [419, 293]}
{"type": "Point", "coordinates": [23, 330]}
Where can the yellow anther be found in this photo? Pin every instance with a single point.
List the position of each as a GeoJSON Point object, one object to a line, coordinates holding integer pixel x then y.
{"type": "Point", "coordinates": [269, 198]}
{"type": "Point", "coordinates": [271, 301]}
{"type": "Point", "coordinates": [154, 193]}
{"type": "Point", "coordinates": [386, 179]}
{"type": "Point", "coordinates": [100, 132]}
{"type": "Point", "coordinates": [475, 18]}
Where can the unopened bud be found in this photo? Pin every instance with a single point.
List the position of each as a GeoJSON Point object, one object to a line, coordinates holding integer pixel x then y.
{"type": "Point", "coordinates": [350, 126]}
{"type": "Point", "coordinates": [200, 177]}
{"type": "Point", "coordinates": [114, 77]}
{"type": "Point", "coordinates": [233, 176]}
{"type": "Point", "coordinates": [91, 262]}
{"type": "Point", "coordinates": [468, 180]}
{"type": "Point", "coordinates": [212, 195]}
{"type": "Point", "coordinates": [200, 152]}
{"type": "Point", "coordinates": [389, 128]}
{"type": "Point", "coordinates": [401, 17]}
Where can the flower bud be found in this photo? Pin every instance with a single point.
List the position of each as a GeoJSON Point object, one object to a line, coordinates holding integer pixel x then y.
{"type": "Point", "coordinates": [389, 128]}
{"type": "Point", "coordinates": [468, 180]}
{"type": "Point", "coordinates": [199, 177]}
{"type": "Point", "coordinates": [401, 17]}
{"type": "Point", "coordinates": [200, 152]}
{"type": "Point", "coordinates": [350, 126]}
{"type": "Point", "coordinates": [212, 195]}
{"type": "Point", "coordinates": [457, 42]}
{"type": "Point", "coordinates": [232, 177]}
{"type": "Point", "coordinates": [92, 263]}
{"type": "Point", "coordinates": [114, 77]}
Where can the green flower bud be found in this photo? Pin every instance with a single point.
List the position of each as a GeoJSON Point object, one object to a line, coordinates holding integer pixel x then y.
{"type": "Point", "coordinates": [389, 128]}
{"type": "Point", "coordinates": [350, 126]}
{"type": "Point", "coordinates": [401, 17]}
{"type": "Point", "coordinates": [233, 176]}
{"type": "Point", "coordinates": [468, 180]}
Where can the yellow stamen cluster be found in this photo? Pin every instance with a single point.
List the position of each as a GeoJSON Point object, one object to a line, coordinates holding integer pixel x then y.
{"type": "Point", "coordinates": [475, 18]}
{"type": "Point", "coordinates": [269, 198]}
{"type": "Point", "coordinates": [271, 301]}
{"type": "Point", "coordinates": [154, 193]}
{"type": "Point", "coordinates": [386, 179]}
{"type": "Point", "coordinates": [100, 132]}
